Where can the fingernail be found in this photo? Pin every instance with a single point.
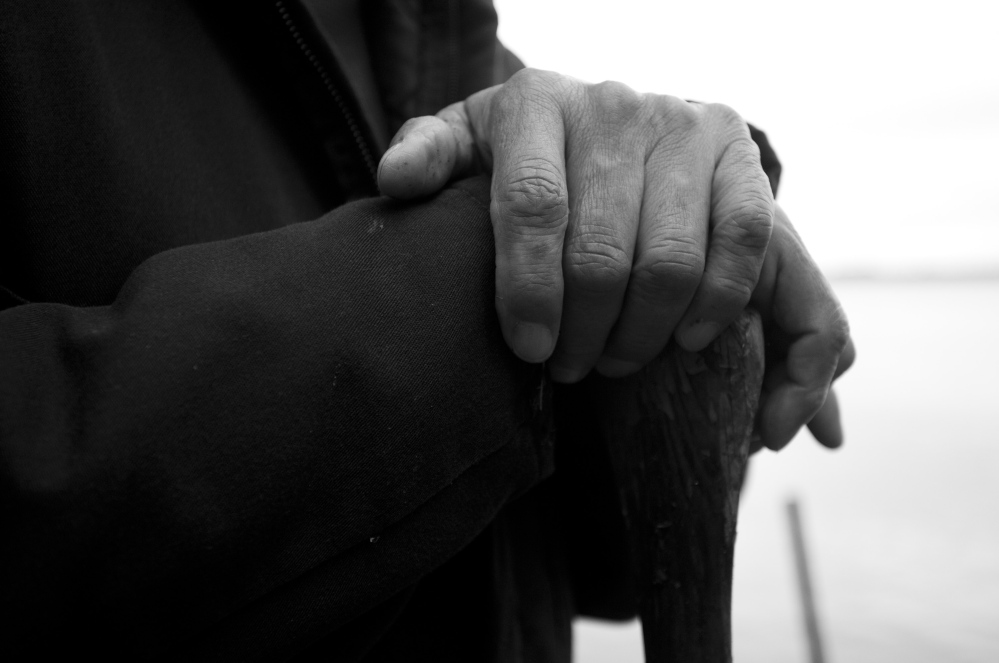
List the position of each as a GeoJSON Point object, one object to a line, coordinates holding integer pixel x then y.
{"type": "Point", "coordinates": [616, 368]}
{"type": "Point", "coordinates": [532, 342]}
{"type": "Point", "coordinates": [387, 156]}
{"type": "Point", "coordinates": [566, 374]}
{"type": "Point", "coordinates": [392, 150]}
{"type": "Point", "coordinates": [697, 336]}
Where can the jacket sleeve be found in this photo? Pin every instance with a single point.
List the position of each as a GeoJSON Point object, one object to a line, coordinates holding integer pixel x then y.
{"type": "Point", "coordinates": [279, 430]}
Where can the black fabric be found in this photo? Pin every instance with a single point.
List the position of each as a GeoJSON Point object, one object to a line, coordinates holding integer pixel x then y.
{"type": "Point", "coordinates": [129, 128]}
{"type": "Point", "coordinates": [507, 597]}
{"type": "Point", "coordinates": [333, 108]}
{"type": "Point", "coordinates": [432, 53]}
{"type": "Point", "coordinates": [207, 410]}
{"type": "Point", "coordinates": [251, 410]}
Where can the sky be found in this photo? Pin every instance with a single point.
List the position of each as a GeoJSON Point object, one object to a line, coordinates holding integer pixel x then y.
{"type": "Point", "coordinates": [885, 114]}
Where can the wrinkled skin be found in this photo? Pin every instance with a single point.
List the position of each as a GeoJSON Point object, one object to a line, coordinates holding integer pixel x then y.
{"type": "Point", "coordinates": [622, 219]}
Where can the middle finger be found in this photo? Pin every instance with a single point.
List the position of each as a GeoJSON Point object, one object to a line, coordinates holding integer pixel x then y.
{"type": "Point", "coordinates": [604, 172]}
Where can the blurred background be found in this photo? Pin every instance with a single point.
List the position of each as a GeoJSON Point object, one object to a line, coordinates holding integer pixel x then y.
{"type": "Point", "coordinates": [885, 115]}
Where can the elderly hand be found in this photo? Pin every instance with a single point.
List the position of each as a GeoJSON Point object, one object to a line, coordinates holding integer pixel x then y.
{"type": "Point", "coordinates": [621, 219]}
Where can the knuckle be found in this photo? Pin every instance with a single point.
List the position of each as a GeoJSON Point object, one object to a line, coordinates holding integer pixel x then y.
{"type": "Point", "coordinates": [670, 271]}
{"type": "Point", "coordinates": [509, 99]}
{"type": "Point", "coordinates": [529, 76]}
{"type": "Point", "coordinates": [530, 83]}
{"type": "Point", "coordinates": [732, 289]}
{"type": "Point", "coordinates": [535, 192]}
{"type": "Point", "coordinates": [746, 149]}
{"type": "Point", "coordinates": [830, 342]}
{"type": "Point", "coordinates": [536, 281]}
{"type": "Point", "coordinates": [838, 333]}
{"type": "Point", "coordinates": [598, 264]}
{"type": "Point", "coordinates": [684, 193]}
{"type": "Point", "coordinates": [670, 114]}
{"type": "Point", "coordinates": [726, 116]}
{"type": "Point", "coordinates": [525, 78]}
{"type": "Point", "coordinates": [614, 102]}
{"type": "Point", "coordinates": [750, 226]}
{"type": "Point", "coordinates": [742, 156]}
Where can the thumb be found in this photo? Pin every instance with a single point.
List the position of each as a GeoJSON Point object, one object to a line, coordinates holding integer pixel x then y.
{"type": "Point", "coordinates": [428, 152]}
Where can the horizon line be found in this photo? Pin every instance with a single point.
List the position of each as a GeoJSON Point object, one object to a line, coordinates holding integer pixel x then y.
{"type": "Point", "coordinates": [915, 275]}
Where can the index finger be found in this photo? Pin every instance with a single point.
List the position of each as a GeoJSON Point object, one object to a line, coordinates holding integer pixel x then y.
{"type": "Point", "coordinates": [529, 210]}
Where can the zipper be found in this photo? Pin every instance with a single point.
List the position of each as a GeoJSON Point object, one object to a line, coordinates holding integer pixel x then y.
{"type": "Point", "coordinates": [331, 88]}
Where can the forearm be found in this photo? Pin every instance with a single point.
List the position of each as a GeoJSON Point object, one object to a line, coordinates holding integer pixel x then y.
{"type": "Point", "coordinates": [249, 410]}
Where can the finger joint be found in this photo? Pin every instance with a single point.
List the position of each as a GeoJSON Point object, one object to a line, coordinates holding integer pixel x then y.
{"type": "Point", "coordinates": [597, 264]}
{"type": "Point", "coordinates": [535, 193]}
{"type": "Point", "coordinates": [669, 272]}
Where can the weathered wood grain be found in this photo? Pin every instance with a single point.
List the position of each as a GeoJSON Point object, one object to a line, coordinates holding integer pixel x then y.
{"type": "Point", "coordinates": [679, 435]}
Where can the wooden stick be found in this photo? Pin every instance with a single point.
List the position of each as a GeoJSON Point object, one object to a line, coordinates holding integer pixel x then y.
{"type": "Point", "coordinates": [679, 433]}
{"type": "Point", "coordinates": [805, 585]}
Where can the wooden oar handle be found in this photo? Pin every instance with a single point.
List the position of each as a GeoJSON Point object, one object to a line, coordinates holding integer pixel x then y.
{"type": "Point", "coordinates": [679, 435]}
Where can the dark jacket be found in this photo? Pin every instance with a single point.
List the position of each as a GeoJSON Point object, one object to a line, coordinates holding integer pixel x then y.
{"type": "Point", "coordinates": [229, 432]}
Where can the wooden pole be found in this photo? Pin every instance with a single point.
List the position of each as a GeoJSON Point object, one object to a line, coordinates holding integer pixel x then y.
{"type": "Point", "coordinates": [679, 435]}
{"type": "Point", "coordinates": [815, 650]}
